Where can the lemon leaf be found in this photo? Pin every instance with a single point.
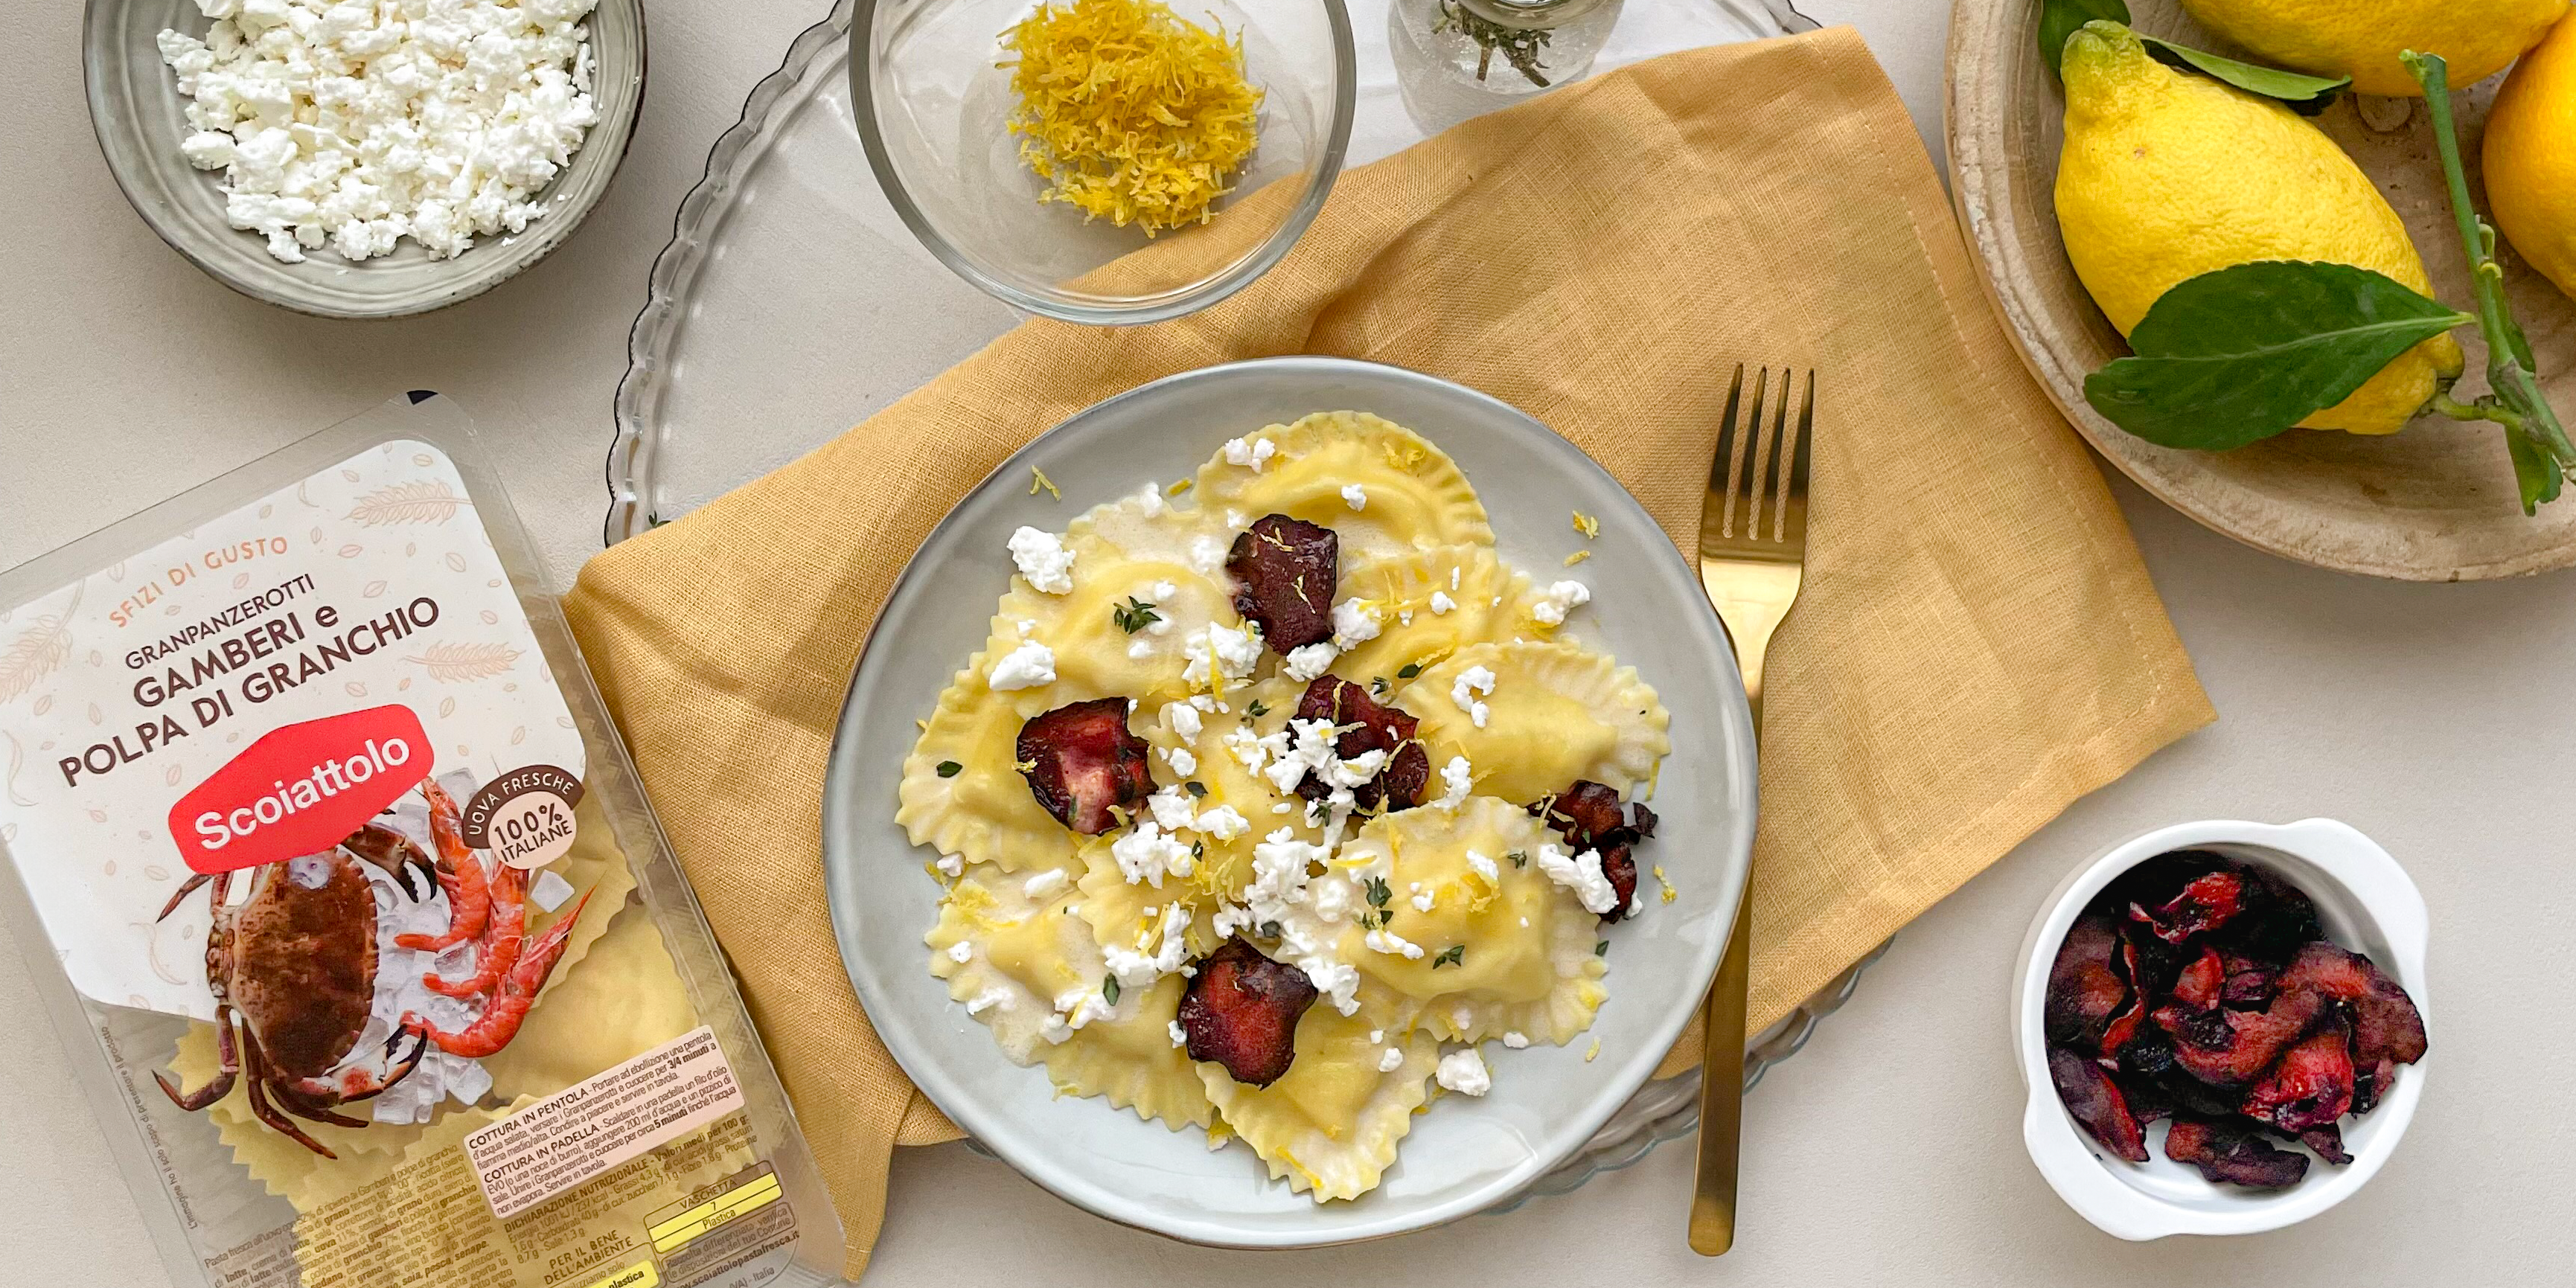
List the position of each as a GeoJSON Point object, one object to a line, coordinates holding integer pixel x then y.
{"type": "Point", "coordinates": [2534, 473]}
{"type": "Point", "coordinates": [2060, 19]}
{"type": "Point", "coordinates": [2305, 95]}
{"type": "Point", "coordinates": [2238, 355]}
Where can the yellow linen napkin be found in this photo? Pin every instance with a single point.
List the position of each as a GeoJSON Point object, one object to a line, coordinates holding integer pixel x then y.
{"type": "Point", "coordinates": [1977, 647]}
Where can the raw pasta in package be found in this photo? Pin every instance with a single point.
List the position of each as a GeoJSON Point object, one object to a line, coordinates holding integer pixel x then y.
{"type": "Point", "coordinates": [350, 910]}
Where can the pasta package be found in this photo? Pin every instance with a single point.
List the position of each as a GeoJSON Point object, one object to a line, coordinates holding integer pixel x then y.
{"type": "Point", "coordinates": [350, 910]}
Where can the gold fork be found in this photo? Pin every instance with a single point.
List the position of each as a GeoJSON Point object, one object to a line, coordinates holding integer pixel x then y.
{"type": "Point", "coordinates": [1752, 556]}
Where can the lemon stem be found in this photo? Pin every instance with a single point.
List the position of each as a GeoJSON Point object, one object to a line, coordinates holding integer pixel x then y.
{"type": "Point", "coordinates": [2516, 402]}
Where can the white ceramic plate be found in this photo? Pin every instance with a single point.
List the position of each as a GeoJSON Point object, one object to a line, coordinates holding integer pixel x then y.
{"type": "Point", "coordinates": [1464, 1155]}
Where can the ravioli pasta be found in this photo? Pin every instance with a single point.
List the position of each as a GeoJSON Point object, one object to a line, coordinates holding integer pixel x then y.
{"type": "Point", "coordinates": [1285, 931]}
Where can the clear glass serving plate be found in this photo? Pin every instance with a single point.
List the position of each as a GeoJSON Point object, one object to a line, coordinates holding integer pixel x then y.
{"type": "Point", "coordinates": [792, 303]}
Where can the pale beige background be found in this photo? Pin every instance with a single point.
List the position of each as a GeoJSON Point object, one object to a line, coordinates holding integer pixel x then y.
{"type": "Point", "coordinates": [2442, 720]}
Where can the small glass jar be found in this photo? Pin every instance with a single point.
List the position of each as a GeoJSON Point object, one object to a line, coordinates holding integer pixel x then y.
{"type": "Point", "coordinates": [1510, 46]}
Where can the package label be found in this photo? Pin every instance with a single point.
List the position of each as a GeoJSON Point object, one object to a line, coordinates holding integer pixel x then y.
{"type": "Point", "coordinates": [257, 690]}
{"type": "Point", "coordinates": [595, 1125]}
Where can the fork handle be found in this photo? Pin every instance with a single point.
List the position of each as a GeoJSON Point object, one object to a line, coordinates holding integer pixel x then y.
{"type": "Point", "coordinates": [1721, 1092]}
{"type": "Point", "coordinates": [1750, 623]}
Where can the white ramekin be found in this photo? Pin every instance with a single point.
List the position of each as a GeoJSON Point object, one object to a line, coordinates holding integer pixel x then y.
{"type": "Point", "coordinates": [2367, 904]}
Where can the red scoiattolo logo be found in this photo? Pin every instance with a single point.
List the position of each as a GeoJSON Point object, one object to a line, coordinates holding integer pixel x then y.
{"type": "Point", "coordinates": [300, 789]}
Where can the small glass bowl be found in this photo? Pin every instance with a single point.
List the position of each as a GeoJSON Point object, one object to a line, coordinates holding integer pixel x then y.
{"type": "Point", "coordinates": [933, 109]}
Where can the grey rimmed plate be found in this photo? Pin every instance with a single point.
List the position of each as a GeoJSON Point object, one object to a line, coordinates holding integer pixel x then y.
{"type": "Point", "coordinates": [136, 109]}
{"type": "Point", "coordinates": [1464, 1155]}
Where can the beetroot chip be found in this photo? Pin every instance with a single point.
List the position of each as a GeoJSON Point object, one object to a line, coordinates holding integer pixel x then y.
{"type": "Point", "coordinates": [1241, 1011]}
{"type": "Point", "coordinates": [2327, 1141]}
{"type": "Point", "coordinates": [2200, 983]}
{"type": "Point", "coordinates": [2310, 1088]}
{"type": "Point", "coordinates": [2227, 1048]}
{"type": "Point", "coordinates": [1619, 864]}
{"type": "Point", "coordinates": [1285, 572]}
{"type": "Point", "coordinates": [2233, 1154]}
{"type": "Point", "coordinates": [1583, 814]}
{"type": "Point", "coordinates": [2205, 904]}
{"type": "Point", "coordinates": [2084, 992]}
{"type": "Point", "coordinates": [1367, 725]}
{"type": "Point", "coordinates": [1081, 761]}
{"type": "Point", "coordinates": [2096, 1103]}
{"type": "Point", "coordinates": [2386, 1025]}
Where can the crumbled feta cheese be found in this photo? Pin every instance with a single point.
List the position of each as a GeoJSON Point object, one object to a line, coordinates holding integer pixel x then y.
{"type": "Point", "coordinates": [1255, 749]}
{"type": "Point", "coordinates": [1484, 867]}
{"type": "Point", "coordinates": [1140, 649]}
{"type": "Point", "coordinates": [1391, 1060]}
{"type": "Point", "coordinates": [352, 125]}
{"type": "Point", "coordinates": [1516, 1040]}
{"type": "Point", "coordinates": [987, 1000]}
{"type": "Point", "coordinates": [1441, 603]}
{"type": "Point", "coordinates": [1580, 873]}
{"type": "Point", "coordinates": [952, 865]}
{"type": "Point", "coordinates": [1044, 885]}
{"type": "Point", "coordinates": [1457, 778]}
{"type": "Point", "coordinates": [1376, 1036]}
{"type": "Point", "coordinates": [961, 952]}
{"type": "Point", "coordinates": [1148, 498]}
{"type": "Point", "coordinates": [1355, 496]}
{"type": "Point", "coordinates": [1560, 599]}
{"type": "Point", "coordinates": [1207, 554]}
{"type": "Point", "coordinates": [1223, 823]}
{"type": "Point", "coordinates": [1025, 667]}
{"type": "Point", "coordinates": [1180, 1037]}
{"type": "Point", "coordinates": [1453, 576]}
{"type": "Point", "coordinates": [1463, 1071]}
{"type": "Point", "coordinates": [1026, 627]}
{"type": "Point", "coordinates": [1043, 560]}
{"type": "Point", "coordinates": [1422, 901]}
{"type": "Point", "coordinates": [1145, 854]}
{"type": "Point", "coordinates": [1182, 719]}
{"type": "Point", "coordinates": [1135, 969]}
{"type": "Point", "coordinates": [1311, 660]}
{"type": "Point", "coordinates": [1472, 681]}
{"type": "Point", "coordinates": [1250, 453]}
{"type": "Point", "coordinates": [1164, 590]}
{"type": "Point", "coordinates": [1354, 623]}
{"type": "Point", "coordinates": [1392, 944]}
{"type": "Point", "coordinates": [1055, 1029]}
{"type": "Point", "coordinates": [1172, 808]}
{"type": "Point", "coordinates": [1216, 648]}
{"type": "Point", "coordinates": [1182, 760]}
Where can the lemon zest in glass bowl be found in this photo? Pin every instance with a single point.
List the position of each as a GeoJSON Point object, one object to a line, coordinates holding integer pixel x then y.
{"type": "Point", "coordinates": [1129, 112]}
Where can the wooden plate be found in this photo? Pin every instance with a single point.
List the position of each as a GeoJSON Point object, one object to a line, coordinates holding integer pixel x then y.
{"type": "Point", "coordinates": [2435, 503]}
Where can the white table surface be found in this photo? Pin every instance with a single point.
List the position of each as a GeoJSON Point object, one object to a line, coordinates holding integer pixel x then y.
{"type": "Point", "coordinates": [2438, 719]}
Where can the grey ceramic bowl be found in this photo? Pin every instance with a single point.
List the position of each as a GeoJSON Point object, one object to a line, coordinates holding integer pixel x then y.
{"type": "Point", "coordinates": [135, 106]}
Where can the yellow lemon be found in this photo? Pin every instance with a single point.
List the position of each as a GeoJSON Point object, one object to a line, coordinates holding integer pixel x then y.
{"type": "Point", "coordinates": [2167, 175]}
{"type": "Point", "coordinates": [2531, 158]}
{"type": "Point", "coordinates": [2362, 38]}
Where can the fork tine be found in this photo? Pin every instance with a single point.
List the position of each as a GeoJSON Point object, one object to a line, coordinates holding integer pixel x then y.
{"type": "Point", "coordinates": [1719, 464]}
{"type": "Point", "coordinates": [1744, 481]}
{"type": "Point", "coordinates": [1783, 462]}
{"type": "Point", "coordinates": [1805, 447]}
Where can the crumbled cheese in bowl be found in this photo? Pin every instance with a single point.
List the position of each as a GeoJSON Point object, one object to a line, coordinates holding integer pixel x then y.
{"type": "Point", "coordinates": [354, 125]}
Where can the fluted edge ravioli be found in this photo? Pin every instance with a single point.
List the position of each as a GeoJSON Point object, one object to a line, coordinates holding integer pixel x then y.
{"type": "Point", "coordinates": [982, 812]}
{"type": "Point", "coordinates": [1024, 954]}
{"type": "Point", "coordinates": [1556, 712]}
{"type": "Point", "coordinates": [1412, 496]}
{"type": "Point", "coordinates": [1130, 1062]}
{"type": "Point", "coordinates": [1335, 1155]}
{"type": "Point", "coordinates": [1524, 960]}
{"type": "Point", "coordinates": [1428, 604]}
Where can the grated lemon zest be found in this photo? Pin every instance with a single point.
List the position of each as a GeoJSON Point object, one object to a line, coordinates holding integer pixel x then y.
{"type": "Point", "coordinates": [1040, 480]}
{"type": "Point", "coordinates": [1183, 486]}
{"type": "Point", "coordinates": [1670, 893]}
{"type": "Point", "coordinates": [1587, 525]}
{"type": "Point", "coordinates": [1577, 557]}
{"type": "Point", "coordinates": [1130, 112]}
{"type": "Point", "coordinates": [1594, 1053]}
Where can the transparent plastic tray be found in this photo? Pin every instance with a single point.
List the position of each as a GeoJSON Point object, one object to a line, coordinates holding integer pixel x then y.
{"type": "Point", "coordinates": [792, 303]}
